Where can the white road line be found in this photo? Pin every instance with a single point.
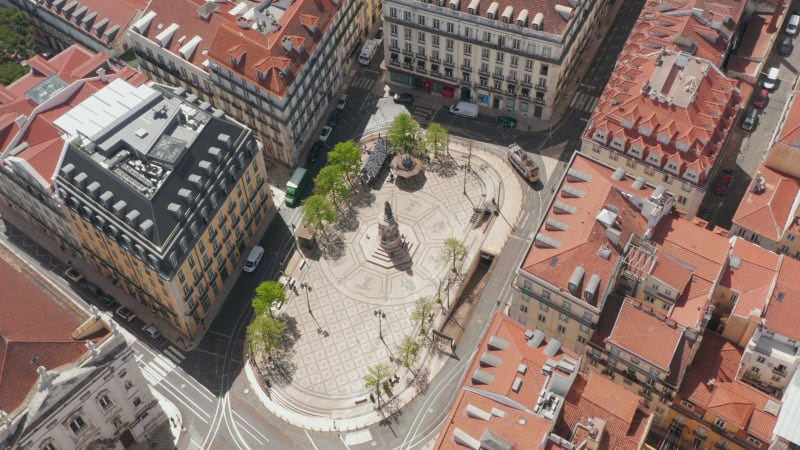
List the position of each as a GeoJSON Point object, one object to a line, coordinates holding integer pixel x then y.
{"type": "Point", "coordinates": [156, 369]}
{"type": "Point", "coordinates": [252, 427]}
{"type": "Point", "coordinates": [164, 363]}
{"type": "Point", "coordinates": [202, 390]}
{"type": "Point", "coordinates": [176, 394]}
{"type": "Point", "coordinates": [150, 377]}
{"type": "Point", "coordinates": [174, 354]}
{"type": "Point", "coordinates": [259, 441]}
{"type": "Point", "coordinates": [312, 441]}
{"type": "Point", "coordinates": [195, 443]}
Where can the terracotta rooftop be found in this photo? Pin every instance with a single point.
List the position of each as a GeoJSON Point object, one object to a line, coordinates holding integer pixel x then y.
{"type": "Point", "coordinates": [757, 40]}
{"type": "Point", "coordinates": [484, 407]}
{"type": "Point", "coordinates": [710, 384]}
{"type": "Point", "coordinates": [194, 34]}
{"type": "Point", "coordinates": [783, 308]}
{"type": "Point", "coordinates": [646, 334]}
{"type": "Point", "coordinates": [750, 274]}
{"type": "Point", "coordinates": [597, 397]}
{"type": "Point", "coordinates": [47, 77]}
{"type": "Point", "coordinates": [35, 330]}
{"type": "Point", "coordinates": [769, 205]}
{"type": "Point", "coordinates": [790, 133]}
{"type": "Point", "coordinates": [674, 110]}
{"type": "Point", "coordinates": [273, 60]}
{"type": "Point", "coordinates": [101, 19]}
{"type": "Point", "coordinates": [574, 233]}
{"type": "Point", "coordinates": [704, 252]}
{"type": "Point", "coordinates": [699, 27]}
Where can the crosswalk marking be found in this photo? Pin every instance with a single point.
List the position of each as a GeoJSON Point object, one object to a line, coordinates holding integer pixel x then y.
{"type": "Point", "coordinates": [173, 354]}
{"type": "Point", "coordinates": [362, 83]}
{"type": "Point", "coordinates": [584, 102]}
{"type": "Point", "coordinates": [161, 365]}
{"type": "Point", "coordinates": [421, 113]}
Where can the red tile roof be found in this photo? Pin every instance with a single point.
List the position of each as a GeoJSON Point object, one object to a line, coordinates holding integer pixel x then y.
{"type": "Point", "coordinates": [119, 13]}
{"type": "Point", "coordinates": [580, 234]}
{"type": "Point", "coordinates": [790, 134]}
{"type": "Point", "coordinates": [710, 384]}
{"type": "Point", "coordinates": [771, 210]}
{"type": "Point", "coordinates": [752, 279]}
{"type": "Point", "coordinates": [42, 136]}
{"type": "Point", "coordinates": [646, 335]}
{"type": "Point", "coordinates": [516, 426]}
{"type": "Point", "coordinates": [682, 100]}
{"type": "Point", "coordinates": [184, 14]}
{"type": "Point", "coordinates": [34, 331]}
{"type": "Point", "coordinates": [597, 397]}
{"type": "Point", "coordinates": [263, 59]}
{"type": "Point", "coordinates": [783, 309]}
{"type": "Point", "coordinates": [688, 25]}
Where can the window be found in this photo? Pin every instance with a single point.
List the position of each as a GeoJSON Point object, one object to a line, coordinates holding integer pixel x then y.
{"type": "Point", "coordinates": [776, 378]}
{"type": "Point", "coordinates": [407, 16]}
{"type": "Point", "coordinates": [649, 299]}
{"type": "Point", "coordinates": [529, 65]}
{"type": "Point", "coordinates": [687, 405]}
{"type": "Point", "coordinates": [468, 32]}
{"type": "Point", "coordinates": [515, 44]}
{"type": "Point", "coordinates": [393, 29]}
{"type": "Point", "coordinates": [421, 37]}
{"type": "Point", "coordinates": [501, 41]}
{"type": "Point", "coordinates": [546, 52]}
{"type": "Point", "coordinates": [451, 28]}
{"type": "Point", "coordinates": [544, 307]}
{"type": "Point", "coordinates": [720, 423]}
{"type": "Point", "coordinates": [437, 24]}
{"type": "Point", "coordinates": [466, 77]}
{"type": "Point", "coordinates": [754, 441]}
{"type": "Point", "coordinates": [761, 359]}
{"type": "Point", "coordinates": [49, 446]}
{"type": "Point", "coordinates": [487, 36]}
{"type": "Point", "coordinates": [421, 20]}
{"type": "Point", "coordinates": [449, 44]}
{"type": "Point", "coordinates": [581, 340]}
{"type": "Point", "coordinates": [523, 308]}
{"type": "Point", "coordinates": [77, 425]}
{"type": "Point", "coordinates": [485, 54]}
{"type": "Point", "coordinates": [584, 328]}
{"type": "Point", "coordinates": [467, 49]}
{"type": "Point", "coordinates": [563, 317]}
{"type": "Point", "coordinates": [407, 33]}
{"type": "Point", "coordinates": [562, 329]}
{"type": "Point", "coordinates": [541, 318]}
{"type": "Point", "coordinates": [104, 401]}
{"type": "Point", "coordinates": [393, 13]}
{"type": "Point", "coordinates": [498, 85]}
{"type": "Point", "coordinates": [128, 385]}
{"type": "Point", "coordinates": [136, 402]}
{"type": "Point", "coordinates": [500, 57]}
{"type": "Point", "coordinates": [543, 70]}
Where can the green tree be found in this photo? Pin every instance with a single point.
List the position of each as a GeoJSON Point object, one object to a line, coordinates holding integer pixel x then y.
{"type": "Point", "coordinates": [347, 156]}
{"type": "Point", "coordinates": [330, 183]}
{"type": "Point", "coordinates": [436, 137]}
{"type": "Point", "coordinates": [407, 352]}
{"type": "Point", "coordinates": [268, 295]}
{"type": "Point", "coordinates": [16, 42]}
{"type": "Point", "coordinates": [453, 250]}
{"type": "Point", "coordinates": [422, 311]}
{"type": "Point", "coordinates": [318, 212]}
{"type": "Point", "coordinates": [265, 334]}
{"type": "Point", "coordinates": [375, 378]}
{"type": "Point", "coordinates": [403, 133]}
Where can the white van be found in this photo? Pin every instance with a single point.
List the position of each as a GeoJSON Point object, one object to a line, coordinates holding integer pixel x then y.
{"type": "Point", "coordinates": [792, 24]}
{"type": "Point", "coordinates": [253, 258]}
{"type": "Point", "coordinates": [465, 109]}
{"type": "Point", "coordinates": [369, 50]}
{"type": "Point", "coordinates": [771, 80]}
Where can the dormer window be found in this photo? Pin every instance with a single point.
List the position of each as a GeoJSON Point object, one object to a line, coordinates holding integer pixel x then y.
{"type": "Point", "coordinates": [690, 174]}
{"type": "Point", "coordinates": [653, 158]}
{"type": "Point", "coordinates": [644, 131]}
{"type": "Point", "coordinates": [663, 138]}
{"type": "Point", "coordinates": [455, 4]}
{"type": "Point", "coordinates": [635, 151]}
{"type": "Point", "coordinates": [491, 13]}
{"type": "Point", "coordinates": [474, 7]}
{"type": "Point", "coordinates": [599, 136]}
{"type": "Point", "coordinates": [236, 60]}
{"type": "Point", "coordinates": [627, 123]}
{"type": "Point", "coordinates": [672, 166]}
{"type": "Point", "coordinates": [618, 143]}
{"type": "Point", "coordinates": [682, 146]}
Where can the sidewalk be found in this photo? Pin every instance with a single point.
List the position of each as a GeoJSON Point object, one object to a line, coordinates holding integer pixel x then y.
{"type": "Point", "coordinates": [335, 319]}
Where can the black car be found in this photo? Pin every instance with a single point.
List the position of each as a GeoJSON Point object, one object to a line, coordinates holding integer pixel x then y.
{"type": "Point", "coordinates": [786, 47]}
{"type": "Point", "coordinates": [403, 98]}
{"type": "Point", "coordinates": [334, 118]}
{"type": "Point", "coordinates": [313, 154]}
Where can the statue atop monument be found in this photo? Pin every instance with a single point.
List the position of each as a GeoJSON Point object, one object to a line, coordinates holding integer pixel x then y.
{"type": "Point", "coordinates": [387, 212]}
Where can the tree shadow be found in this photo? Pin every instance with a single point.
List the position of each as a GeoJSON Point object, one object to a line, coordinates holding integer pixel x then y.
{"type": "Point", "coordinates": [279, 367]}
{"type": "Point", "coordinates": [332, 247]}
{"type": "Point", "coordinates": [361, 196]}
{"type": "Point", "coordinates": [444, 166]}
{"type": "Point", "coordinates": [411, 184]}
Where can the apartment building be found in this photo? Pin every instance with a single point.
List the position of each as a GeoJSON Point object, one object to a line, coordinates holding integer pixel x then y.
{"type": "Point", "coordinates": [31, 144]}
{"type": "Point", "coordinates": [571, 266]}
{"type": "Point", "coordinates": [514, 391]}
{"type": "Point", "coordinates": [164, 195]}
{"type": "Point", "coordinates": [98, 25]}
{"type": "Point", "coordinates": [666, 117]}
{"type": "Point", "coordinates": [786, 434]}
{"type": "Point", "coordinates": [510, 58]}
{"type": "Point", "coordinates": [69, 379]}
{"type": "Point", "coordinates": [768, 213]}
{"type": "Point", "coordinates": [715, 410]}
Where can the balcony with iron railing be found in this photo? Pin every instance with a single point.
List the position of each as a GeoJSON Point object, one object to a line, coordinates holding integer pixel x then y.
{"type": "Point", "coordinates": [449, 63]}
{"type": "Point", "coordinates": [498, 76]}
{"type": "Point", "coordinates": [466, 67]}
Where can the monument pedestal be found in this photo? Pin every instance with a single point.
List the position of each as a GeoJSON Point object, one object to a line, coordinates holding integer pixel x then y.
{"type": "Point", "coordinates": [395, 244]}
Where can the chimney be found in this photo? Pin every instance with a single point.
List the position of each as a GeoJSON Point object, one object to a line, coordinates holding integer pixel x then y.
{"type": "Point", "coordinates": [101, 72]}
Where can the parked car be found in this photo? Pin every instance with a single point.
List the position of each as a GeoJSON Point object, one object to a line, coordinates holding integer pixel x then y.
{"type": "Point", "coordinates": [508, 122]}
{"type": "Point", "coordinates": [334, 118]}
{"type": "Point", "coordinates": [761, 99]}
{"type": "Point", "coordinates": [325, 133]}
{"type": "Point", "coordinates": [750, 119]}
{"type": "Point", "coordinates": [723, 184]}
{"type": "Point", "coordinates": [109, 302]}
{"type": "Point", "coordinates": [73, 275]}
{"type": "Point", "coordinates": [786, 46]}
{"type": "Point", "coordinates": [126, 314]}
{"type": "Point", "coordinates": [379, 36]}
{"type": "Point", "coordinates": [342, 102]}
{"type": "Point", "coordinates": [792, 24]}
{"type": "Point", "coordinates": [403, 98]}
{"type": "Point", "coordinates": [313, 154]}
{"type": "Point", "coordinates": [770, 82]}
{"type": "Point", "coordinates": [151, 331]}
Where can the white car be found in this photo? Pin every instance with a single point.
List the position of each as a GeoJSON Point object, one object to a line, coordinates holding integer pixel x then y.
{"type": "Point", "coordinates": [325, 133]}
{"type": "Point", "coordinates": [342, 102]}
{"type": "Point", "coordinates": [73, 275]}
{"type": "Point", "coordinates": [151, 331]}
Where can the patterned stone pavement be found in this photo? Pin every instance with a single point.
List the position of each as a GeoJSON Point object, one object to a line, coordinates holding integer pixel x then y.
{"type": "Point", "coordinates": [336, 317]}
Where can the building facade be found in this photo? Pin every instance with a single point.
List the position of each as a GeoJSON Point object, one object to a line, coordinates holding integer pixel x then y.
{"type": "Point", "coordinates": [165, 197]}
{"type": "Point", "coordinates": [96, 25]}
{"type": "Point", "coordinates": [510, 58]}
{"type": "Point", "coordinates": [70, 379]}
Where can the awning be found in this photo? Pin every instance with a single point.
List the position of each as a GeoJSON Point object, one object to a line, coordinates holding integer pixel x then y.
{"type": "Point", "coordinates": [393, 56]}
{"type": "Point", "coordinates": [407, 59]}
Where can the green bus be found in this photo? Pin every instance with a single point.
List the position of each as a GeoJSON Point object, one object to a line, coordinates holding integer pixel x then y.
{"type": "Point", "coordinates": [295, 186]}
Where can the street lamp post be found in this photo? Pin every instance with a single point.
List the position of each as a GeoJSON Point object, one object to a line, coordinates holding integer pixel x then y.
{"type": "Point", "coordinates": [307, 287]}
{"type": "Point", "coordinates": [380, 315]}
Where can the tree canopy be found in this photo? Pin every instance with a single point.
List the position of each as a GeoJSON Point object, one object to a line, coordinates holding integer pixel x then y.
{"type": "Point", "coordinates": [268, 294]}
{"type": "Point", "coordinates": [436, 138]}
{"type": "Point", "coordinates": [318, 212]}
{"type": "Point", "coordinates": [329, 182]}
{"type": "Point", "coordinates": [453, 250]}
{"type": "Point", "coordinates": [403, 133]}
{"type": "Point", "coordinates": [265, 333]}
{"type": "Point", "coordinates": [347, 156]}
{"type": "Point", "coordinates": [16, 44]}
